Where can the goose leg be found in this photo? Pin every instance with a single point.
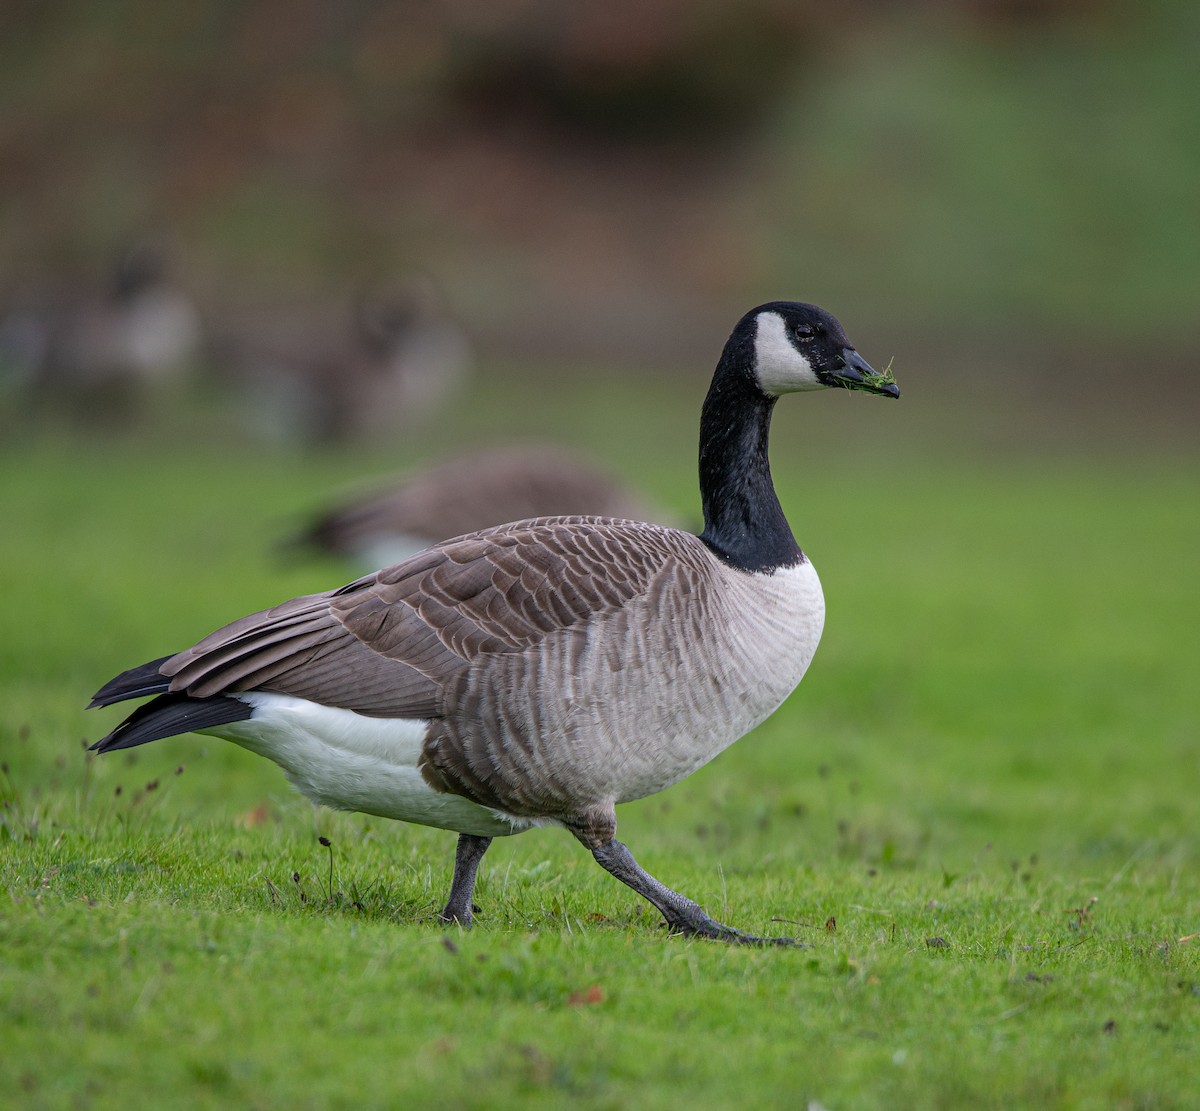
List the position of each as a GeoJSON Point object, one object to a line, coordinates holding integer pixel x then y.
{"type": "Point", "coordinates": [682, 915]}
{"type": "Point", "coordinates": [467, 856]}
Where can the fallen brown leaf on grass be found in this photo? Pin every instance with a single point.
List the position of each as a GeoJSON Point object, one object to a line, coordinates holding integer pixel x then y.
{"type": "Point", "coordinates": [256, 817]}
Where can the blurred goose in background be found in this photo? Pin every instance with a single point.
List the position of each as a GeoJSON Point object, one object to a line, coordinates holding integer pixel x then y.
{"type": "Point", "coordinates": [466, 494]}
{"type": "Point", "coordinates": [97, 352]}
{"type": "Point", "coordinates": [397, 363]}
{"type": "Point", "coordinates": [543, 671]}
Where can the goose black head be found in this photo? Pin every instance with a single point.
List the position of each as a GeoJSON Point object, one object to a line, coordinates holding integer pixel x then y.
{"type": "Point", "coordinates": [802, 347]}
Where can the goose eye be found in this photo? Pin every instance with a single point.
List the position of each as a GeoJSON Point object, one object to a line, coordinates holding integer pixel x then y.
{"type": "Point", "coordinates": [804, 331]}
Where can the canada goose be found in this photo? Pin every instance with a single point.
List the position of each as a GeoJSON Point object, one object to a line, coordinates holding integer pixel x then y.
{"type": "Point", "coordinates": [100, 348]}
{"type": "Point", "coordinates": [543, 671]}
{"type": "Point", "coordinates": [396, 359]}
{"type": "Point", "coordinates": [468, 493]}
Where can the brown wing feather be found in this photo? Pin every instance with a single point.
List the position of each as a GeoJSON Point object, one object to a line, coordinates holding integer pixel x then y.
{"type": "Point", "coordinates": [390, 643]}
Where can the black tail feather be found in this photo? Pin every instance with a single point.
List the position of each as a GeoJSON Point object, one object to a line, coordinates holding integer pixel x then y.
{"type": "Point", "coordinates": [137, 682]}
{"type": "Point", "coordinates": [170, 714]}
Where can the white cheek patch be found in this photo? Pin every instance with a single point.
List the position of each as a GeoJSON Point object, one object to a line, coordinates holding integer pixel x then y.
{"type": "Point", "coordinates": [780, 367]}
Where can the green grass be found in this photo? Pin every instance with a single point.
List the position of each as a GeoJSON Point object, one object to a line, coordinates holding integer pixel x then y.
{"type": "Point", "coordinates": [980, 809]}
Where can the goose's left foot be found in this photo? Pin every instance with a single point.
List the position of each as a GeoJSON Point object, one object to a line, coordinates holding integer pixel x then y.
{"type": "Point", "coordinates": [459, 908]}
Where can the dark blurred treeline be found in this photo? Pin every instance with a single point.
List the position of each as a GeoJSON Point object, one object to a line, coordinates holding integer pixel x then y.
{"type": "Point", "coordinates": [601, 179]}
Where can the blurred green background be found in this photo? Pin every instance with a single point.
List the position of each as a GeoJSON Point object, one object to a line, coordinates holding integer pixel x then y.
{"type": "Point", "coordinates": [1000, 191]}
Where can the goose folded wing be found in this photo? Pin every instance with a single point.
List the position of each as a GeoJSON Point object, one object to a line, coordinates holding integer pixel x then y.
{"type": "Point", "coordinates": [388, 644]}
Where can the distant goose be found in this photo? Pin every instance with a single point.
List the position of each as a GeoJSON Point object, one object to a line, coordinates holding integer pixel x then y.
{"type": "Point", "coordinates": [469, 493]}
{"type": "Point", "coordinates": [396, 361]}
{"type": "Point", "coordinates": [98, 349]}
{"type": "Point", "coordinates": [543, 671]}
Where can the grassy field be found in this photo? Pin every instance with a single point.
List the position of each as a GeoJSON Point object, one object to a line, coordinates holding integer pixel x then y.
{"type": "Point", "coordinates": [979, 811]}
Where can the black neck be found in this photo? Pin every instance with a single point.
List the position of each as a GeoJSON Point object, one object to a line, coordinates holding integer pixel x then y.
{"type": "Point", "coordinates": [744, 525]}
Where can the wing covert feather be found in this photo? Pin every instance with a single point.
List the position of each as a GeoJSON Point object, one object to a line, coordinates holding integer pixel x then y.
{"type": "Point", "coordinates": [390, 644]}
